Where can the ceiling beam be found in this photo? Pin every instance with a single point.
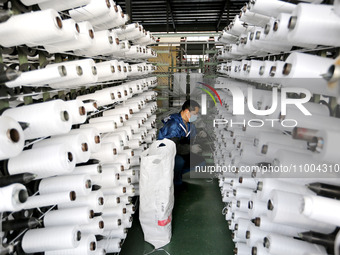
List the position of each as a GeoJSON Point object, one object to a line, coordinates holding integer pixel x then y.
{"type": "Point", "coordinates": [204, 26]}
{"type": "Point", "coordinates": [192, 22]}
{"type": "Point", "coordinates": [180, 18]}
{"type": "Point", "coordinates": [226, 4]}
{"type": "Point", "coordinates": [185, 34]}
{"type": "Point", "coordinates": [191, 12]}
{"type": "Point", "coordinates": [163, 14]}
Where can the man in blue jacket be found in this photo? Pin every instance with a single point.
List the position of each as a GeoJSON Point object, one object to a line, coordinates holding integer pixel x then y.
{"type": "Point", "coordinates": [179, 128]}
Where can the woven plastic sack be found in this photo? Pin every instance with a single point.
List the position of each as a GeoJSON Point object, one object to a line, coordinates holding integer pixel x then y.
{"type": "Point", "coordinates": [157, 192]}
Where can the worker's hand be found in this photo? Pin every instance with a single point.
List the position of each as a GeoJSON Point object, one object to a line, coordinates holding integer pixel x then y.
{"type": "Point", "coordinates": [202, 134]}
{"type": "Point", "coordinates": [196, 148]}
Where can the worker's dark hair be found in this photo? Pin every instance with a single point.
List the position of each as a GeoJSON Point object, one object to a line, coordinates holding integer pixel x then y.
{"type": "Point", "coordinates": [191, 105]}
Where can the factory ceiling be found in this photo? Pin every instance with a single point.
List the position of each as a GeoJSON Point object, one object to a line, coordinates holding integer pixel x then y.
{"type": "Point", "coordinates": [182, 15]}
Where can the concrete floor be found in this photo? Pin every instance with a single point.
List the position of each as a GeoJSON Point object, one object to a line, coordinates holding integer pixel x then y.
{"type": "Point", "coordinates": [198, 227]}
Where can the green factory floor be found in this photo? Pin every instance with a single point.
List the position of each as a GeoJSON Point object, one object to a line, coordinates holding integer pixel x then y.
{"type": "Point", "coordinates": [198, 227]}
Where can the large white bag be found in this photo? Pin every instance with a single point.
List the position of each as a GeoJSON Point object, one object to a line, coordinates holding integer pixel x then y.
{"type": "Point", "coordinates": [157, 192]}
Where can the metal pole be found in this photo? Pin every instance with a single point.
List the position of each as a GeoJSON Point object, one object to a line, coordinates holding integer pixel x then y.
{"type": "Point", "coordinates": [167, 17]}
{"type": "Point", "coordinates": [128, 6]}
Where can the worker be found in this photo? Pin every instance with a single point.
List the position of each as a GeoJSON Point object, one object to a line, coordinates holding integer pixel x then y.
{"type": "Point", "coordinates": [180, 129]}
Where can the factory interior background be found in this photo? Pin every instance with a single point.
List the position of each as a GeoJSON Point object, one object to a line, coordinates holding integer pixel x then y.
{"type": "Point", "coordinates": [86, 86]}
